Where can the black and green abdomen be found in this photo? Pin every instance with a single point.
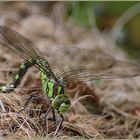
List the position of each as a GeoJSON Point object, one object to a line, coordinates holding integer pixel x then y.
{"type": "Point", "coordinates": [23, 69]}
{"type": "Point", "coordinates": [18, 76]}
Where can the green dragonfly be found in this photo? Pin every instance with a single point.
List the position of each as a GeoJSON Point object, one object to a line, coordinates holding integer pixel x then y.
{"type": "Point", "coordinates": [54, 85]}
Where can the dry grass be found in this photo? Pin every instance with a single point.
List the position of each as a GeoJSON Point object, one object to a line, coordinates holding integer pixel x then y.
{"type": "Point", "coordinates": [111, 108]}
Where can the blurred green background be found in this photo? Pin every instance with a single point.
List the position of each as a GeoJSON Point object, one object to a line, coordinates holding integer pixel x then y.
{"type": "Point", "coordinates": [103, 15]}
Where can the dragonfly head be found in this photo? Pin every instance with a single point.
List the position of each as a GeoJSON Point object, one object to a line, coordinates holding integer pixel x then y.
{"type": "Point", "coordinates": [61, 103]}
{"type": "Point", "coordinates": [61, 81]}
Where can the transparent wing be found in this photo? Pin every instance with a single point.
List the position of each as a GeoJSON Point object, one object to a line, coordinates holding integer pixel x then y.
{"type": "Point", "coordinates": [18, 43]}
{"type": "Point", "coordinates": [66, 56]}
{"type": "Point", "coordinates": [101, 68]}
{"type": "Point", "coordinates": [96, 64]}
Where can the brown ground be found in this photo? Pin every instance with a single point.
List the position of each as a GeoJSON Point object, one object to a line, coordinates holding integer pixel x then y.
{"type": "Point", "coordinates": [114, 110]}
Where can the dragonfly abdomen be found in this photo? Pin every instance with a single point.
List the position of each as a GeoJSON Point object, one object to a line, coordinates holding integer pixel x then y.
{"type": "Point", "coordinates": [18, 76]}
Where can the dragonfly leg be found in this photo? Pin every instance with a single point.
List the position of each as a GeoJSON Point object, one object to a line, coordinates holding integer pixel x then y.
{"type": "Point", "coordinates": [53, 114]}
{"type": "Point", "coordinates": [60, 124]}
{"type": "Point", "coordinates": [61, 121]}
{"type": "Point", "coordinates": [47, 113]}
{"type": "Point", "coordinates": [53, 117]}
{"type": "Point", "coordinates": [27, 102]}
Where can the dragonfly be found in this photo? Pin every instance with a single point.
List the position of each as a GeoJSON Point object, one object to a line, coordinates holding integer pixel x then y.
{"type": "Point", "coordinates": [53, 84]}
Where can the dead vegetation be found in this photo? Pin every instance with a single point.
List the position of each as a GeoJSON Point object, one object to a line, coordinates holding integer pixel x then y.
{"type": "Point", "coordinates": [103, 109]}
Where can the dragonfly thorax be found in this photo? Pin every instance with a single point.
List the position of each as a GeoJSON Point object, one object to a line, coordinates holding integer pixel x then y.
{"type": "Point", "coordinates": [55, 92]}
{"type": "Point", "coordinates": [51, 87]}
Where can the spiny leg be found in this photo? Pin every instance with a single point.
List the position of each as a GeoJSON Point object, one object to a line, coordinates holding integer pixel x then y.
{"type": "Point", "coordinates": [60, 124]}
{"type": "Point", "coordinates": [53, 117]}
{"type": "Point", "coordinates": [53, 114]}
{"type": "Point", "coordinates": [62, 119]}
{"type": "Point", "coordinates": [27, 102]}
{"type": "Point", "coordinates": [47, 113]}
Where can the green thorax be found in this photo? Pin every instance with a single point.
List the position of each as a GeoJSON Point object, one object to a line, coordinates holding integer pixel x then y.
{"type": "Point", "coordinates": [50, 87]}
